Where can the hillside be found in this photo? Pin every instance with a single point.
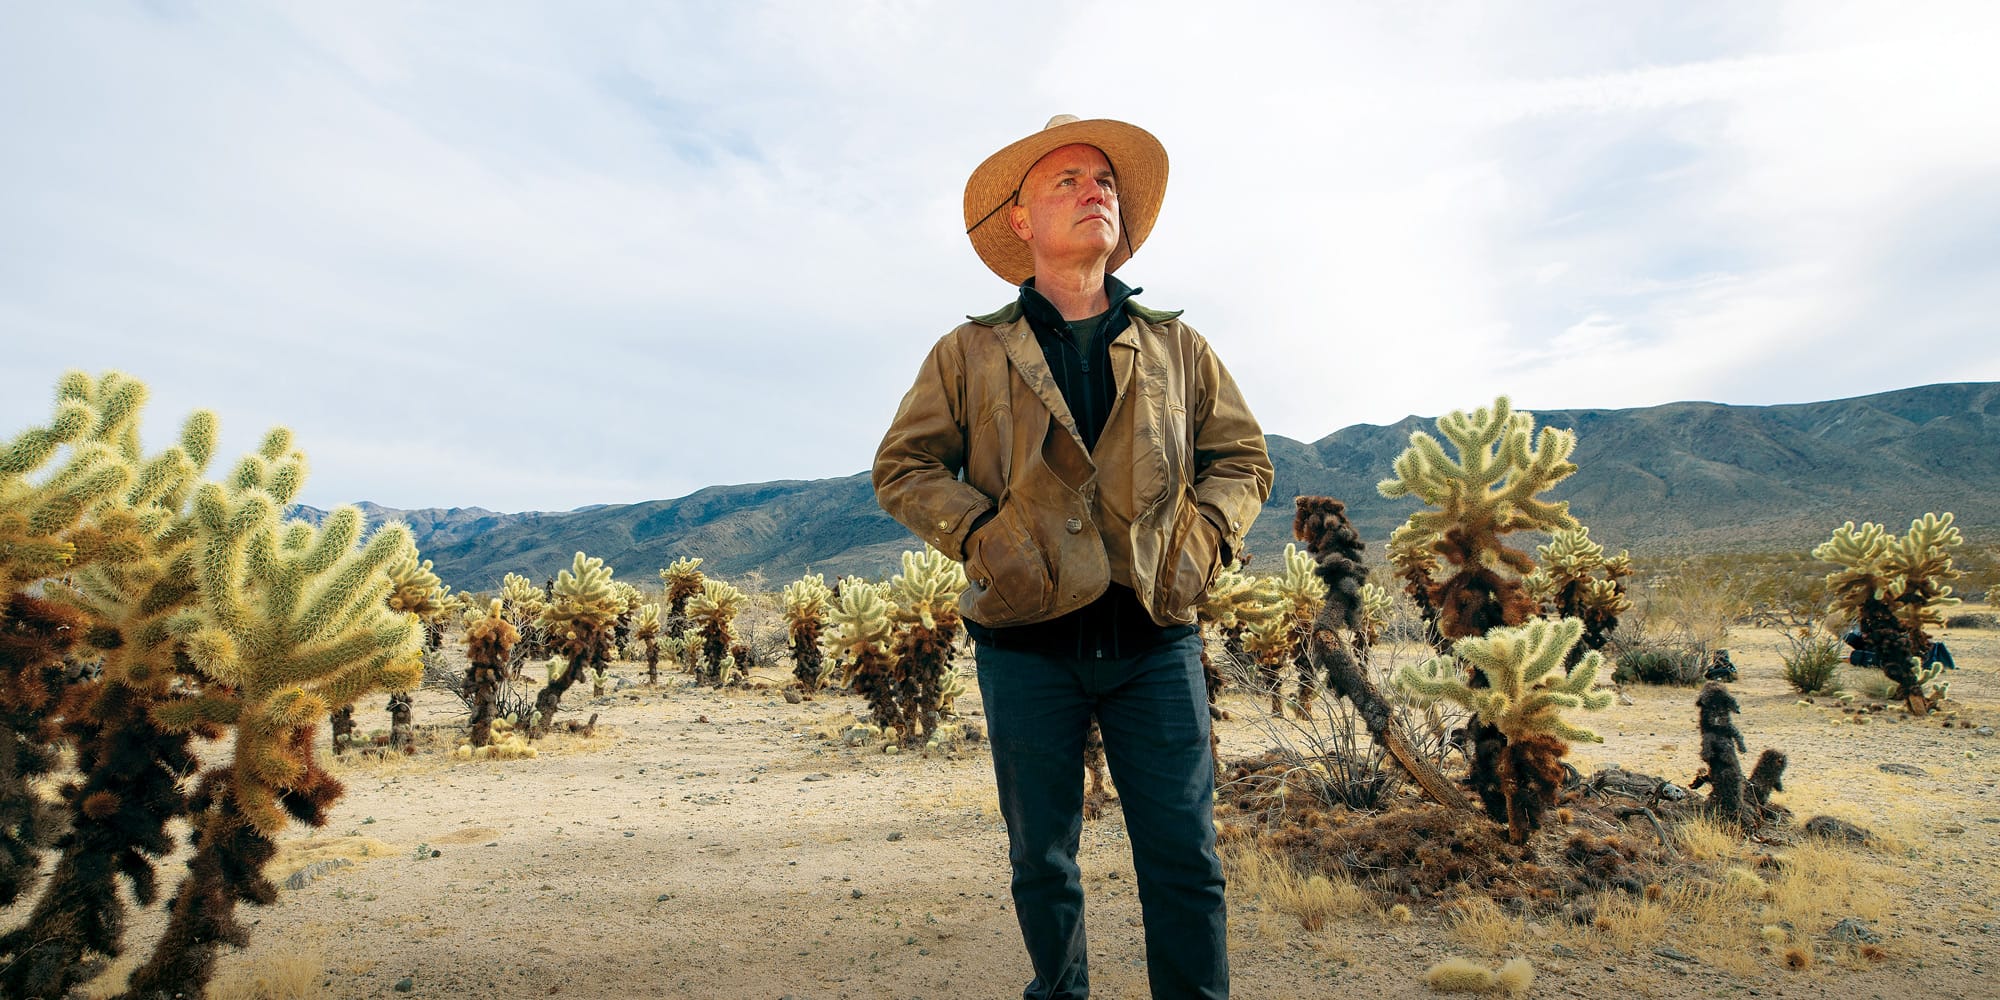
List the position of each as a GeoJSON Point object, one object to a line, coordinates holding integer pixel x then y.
{"type": "Point", "coordinates": [1682, 477]}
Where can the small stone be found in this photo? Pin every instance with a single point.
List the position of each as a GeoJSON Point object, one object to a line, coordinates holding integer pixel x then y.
{"type": "Point", "coordinates": [406, 984]}
{"type": "Point", "coordinates": [1670, 953]}
{"type": "Point", "coordinates": [854, 894]}
{"type": "Point", "coordinates": [974, 732]}
{"type": "Point", "coordinates": [1838, 829]}
{"type": "Point", "coordinates": [895, 835]}
{"type": "Point", "coordinates": [1853, 931]}
{"type": "Point", "coordinates": [793, 697]}
{"type": "Point", "coordinates": [1983, 731]}
{"type": "Point", "coordinates": [1911, 770]}
{"type": "Point", "coordinates": [629, 833]}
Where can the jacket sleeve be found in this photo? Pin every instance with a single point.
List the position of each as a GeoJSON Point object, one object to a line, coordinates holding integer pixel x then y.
{"type": "Point", "coordinates": [1232, 468]}
{"type": "Point", "coordinates": [917, 466]}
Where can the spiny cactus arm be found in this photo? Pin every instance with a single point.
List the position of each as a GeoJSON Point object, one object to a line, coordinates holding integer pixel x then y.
{"type": "Point", "coordinates": [316, 599]}
{"type": "Point", "coordinates": [928, 586]}
{"type": "Point", "coordinates": [1861, 552]}
{"type": "Point", "coordinates": [647, 625]}
{"type": "Point", "coordinates": [187, 714]}
{"type": "Point", "coordinates": [1438, 678]}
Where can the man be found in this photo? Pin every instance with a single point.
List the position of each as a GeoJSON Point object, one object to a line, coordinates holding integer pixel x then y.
{"type": "Point", "coordinates": [1093, 465]}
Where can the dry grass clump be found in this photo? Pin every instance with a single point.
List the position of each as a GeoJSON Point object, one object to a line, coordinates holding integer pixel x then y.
{"type": "Point", "coordinates": [1315, 899]}
{"type": "Point", "coordinates": [294, 855]}
{"type": "Point", "coordinates": [1460, 975]}
{"type": "Point", "coordinates": [288, 975]}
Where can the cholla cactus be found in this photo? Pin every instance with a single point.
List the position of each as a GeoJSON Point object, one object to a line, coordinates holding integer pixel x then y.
{"type": "Point", "coordinates": [1304, 594]}
{"type": "Point", "coordinates": [646, 629]}
{"type": "Point", "coordinates": [1894, 590]}
{"type": "Point", "coordinates": [806, 603]}
{"type": "Point", "coordinates": [1576, 580]}
{"type": "Point", "coordinates": [864, 628]}
{"type": "Point", "coordinates": [1377, 605]}
{"type": "Point", "coordinates": [925, 594]}
{"type": "Point", "coordinates": [1486, 494]}
{"type": "Point", "coordinates": [714, 612]}
{"type": "Point", "coordinates": [1229, 606]}
{"type": "Point", "coordinates": [682, 579]}
{"type": "Point", "coordinates": [489, 644]}
{"type": "Point", "coordinates": [1525, 690]}
{"type": "Point", "coordinates": [210, 613]}
{"type": "Point", "coordinates": [578, 623]}
{"type": "Point", "coordinates": [525, 603]}
{"type": "Point", "coordinates": [415, 590]}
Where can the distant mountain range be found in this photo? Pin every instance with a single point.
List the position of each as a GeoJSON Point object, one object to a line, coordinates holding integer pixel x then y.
{"type": "Point", "coordinates": [1679, 478]}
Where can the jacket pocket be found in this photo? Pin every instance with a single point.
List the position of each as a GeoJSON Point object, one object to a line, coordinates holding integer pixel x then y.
{"type": "Point", "coordinates": [1190, 560]}
{"type": "Point", "coordinates": [1007, 574]}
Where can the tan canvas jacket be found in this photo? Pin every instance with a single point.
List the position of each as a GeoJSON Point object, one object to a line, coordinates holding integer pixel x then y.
{"type": "Point", "coordinates": [985, 427]}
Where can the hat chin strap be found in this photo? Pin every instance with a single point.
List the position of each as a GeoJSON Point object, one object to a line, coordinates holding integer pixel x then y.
{"type": "Point", "coordinates": [1010, 199]}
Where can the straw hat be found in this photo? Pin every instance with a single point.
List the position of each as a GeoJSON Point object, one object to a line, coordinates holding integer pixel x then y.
{"type": "Point", "coordinates": [1138, 159]}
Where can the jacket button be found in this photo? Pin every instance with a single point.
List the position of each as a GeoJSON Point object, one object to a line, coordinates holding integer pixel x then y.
{"type": "Point", "coordinates": [1074, 525]}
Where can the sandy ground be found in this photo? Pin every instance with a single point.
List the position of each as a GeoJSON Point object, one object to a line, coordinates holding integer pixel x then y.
{"type": "Point", "coordinates": [729, 844]}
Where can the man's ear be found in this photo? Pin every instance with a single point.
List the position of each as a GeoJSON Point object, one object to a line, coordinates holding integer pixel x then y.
{"type": "Point", "coordinates": [1017, 220]}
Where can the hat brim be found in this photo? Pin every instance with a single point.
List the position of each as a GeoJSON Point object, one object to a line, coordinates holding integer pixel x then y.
{"type": "Point", "coordinates": [1138, 160]}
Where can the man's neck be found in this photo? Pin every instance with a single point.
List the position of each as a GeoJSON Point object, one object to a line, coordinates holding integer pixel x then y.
{"type": "Point", "coordinates": [1077, 294]}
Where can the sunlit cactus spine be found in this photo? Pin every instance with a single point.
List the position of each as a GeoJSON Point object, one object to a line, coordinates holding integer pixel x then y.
{"type": "Point", "coordinates": [78, 499]}
{"type": "Point", "coordinates": [1576, 580]}
{"type": "Point", "coordinates": [864, 629]}
{"type": "Point", "coordinates": [807, 601]}
{"type": "Point", "coordinates": [646, 629]}
{"type": "Point", "coordinates": [1304, 594]}
{"type": "Point", "coordinates": [925, 594]}
{"type": "Point", "coordinates": [525, 603]}
{"type": "Point", "coordinates": [1488, 492]}
{"type": "Point", "coordinates": [489, 645]}
{"type": "Point", "coordinates": [713, 612]}
{"type": "Point", "coordinates": [1894, 590]}
{"type": "Point", "coordinates": [583, 605]}
{"type": "Point", "coordinates": [1218, 611]}
{"type": "Point", "coordinates": [217, 616]}
{"type": "Point", "coordinates": [1479, 498]}
{"type": "Point", "coordinates": [682, 579]}
{"type": "Point", "coordinates": [1525, 691]}
{"type": "Point", "coordinates": [630, 600]}
{"type": "Point", "coordinates": [414, 590]}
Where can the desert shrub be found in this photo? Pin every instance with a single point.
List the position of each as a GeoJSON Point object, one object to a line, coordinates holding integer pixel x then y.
{"type": "Point", "coordinates": [1812, 663]}
{"type": "Point", "coordinates": [1656, 662]}
{"type": "Point", "coordinates": [1973, 620]}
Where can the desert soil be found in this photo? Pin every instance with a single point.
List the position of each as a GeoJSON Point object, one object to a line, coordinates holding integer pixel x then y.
{"type": "Point", "coordinates": [723, 844]}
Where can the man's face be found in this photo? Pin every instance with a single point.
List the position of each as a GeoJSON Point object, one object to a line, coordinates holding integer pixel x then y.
{"type": "Point", "coordinates": [1068, 208]}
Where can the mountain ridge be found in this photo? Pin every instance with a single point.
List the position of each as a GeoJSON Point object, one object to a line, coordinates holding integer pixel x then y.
{"type": "Point", "coordinates": [1676, 478]}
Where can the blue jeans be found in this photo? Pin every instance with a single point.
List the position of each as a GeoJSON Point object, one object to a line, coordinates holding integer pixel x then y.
{"type": "Point", "coordinates": [1153, 711]}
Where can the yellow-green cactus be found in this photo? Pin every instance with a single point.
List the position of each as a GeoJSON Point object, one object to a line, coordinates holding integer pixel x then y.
{"type": "Point", "coordinates": [1894, 590]}
{"type": "Point", "coordinates": [1525, 692]}
{"type": "Point", "coordinates": [1487, 492]}
{"type": "Point", "coordinates": [925, 594]}
{"type": "Point", "coordinates": [1577, 580]}
{"type": "Point", "coordinates": [864, 630]}
{"type": "Point", "coordinates": [584, 602]}
{"type": "Point", "coordinates": [682, 579]}
{"type": "Point", "coordinates": [211, 613]}
{"type": "Point", "coordinates": [714, 611]}
{"type": "Point", "coordinates": [807, 601]}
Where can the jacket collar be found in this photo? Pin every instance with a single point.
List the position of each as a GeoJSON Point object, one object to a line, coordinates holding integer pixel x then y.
{"type": "Point", "coordinates": [1119, 293]}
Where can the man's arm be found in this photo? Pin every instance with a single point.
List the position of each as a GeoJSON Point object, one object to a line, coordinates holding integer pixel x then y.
{"type": "Point", "coordinates": [917, 465]}
{"type": "Point", "coordinates": [1232, 469]}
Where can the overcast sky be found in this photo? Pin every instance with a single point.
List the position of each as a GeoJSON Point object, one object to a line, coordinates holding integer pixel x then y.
{"type": "Point", "coordinates": [537, 256]}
